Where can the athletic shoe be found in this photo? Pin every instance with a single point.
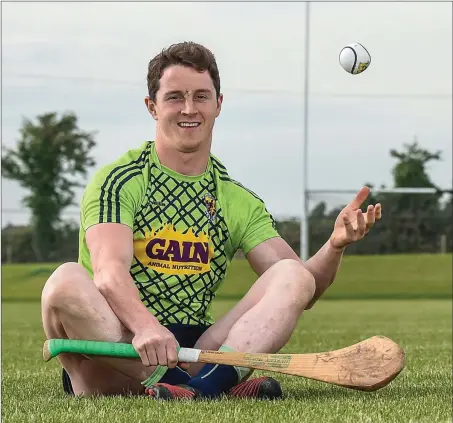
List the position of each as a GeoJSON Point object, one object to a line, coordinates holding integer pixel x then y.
{"type": "Point", "coordinates": [165, 391]}
{"type": "Point", "coordinates": [259, 388]}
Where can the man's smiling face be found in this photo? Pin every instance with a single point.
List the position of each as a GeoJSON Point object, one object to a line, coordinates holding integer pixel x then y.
{"type": "Point", "coordinates": [185, 108]}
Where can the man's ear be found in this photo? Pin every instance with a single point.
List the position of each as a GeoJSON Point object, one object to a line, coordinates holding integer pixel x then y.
{"type": "Point", "coordinates": [151, 106]}
{"type": "Point", "coordinates": [219, 104]}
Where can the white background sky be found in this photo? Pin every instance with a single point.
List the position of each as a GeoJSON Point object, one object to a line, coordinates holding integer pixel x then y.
{"type": "Point", "coordinates": [92, 58]}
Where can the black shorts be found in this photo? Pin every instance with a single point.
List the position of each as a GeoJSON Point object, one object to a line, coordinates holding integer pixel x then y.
{"type": "Point", "coordinates": [186, 335]}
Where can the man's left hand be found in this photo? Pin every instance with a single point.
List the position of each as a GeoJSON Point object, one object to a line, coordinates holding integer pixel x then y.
{"type": "Point", "coordinates": [352, 224]}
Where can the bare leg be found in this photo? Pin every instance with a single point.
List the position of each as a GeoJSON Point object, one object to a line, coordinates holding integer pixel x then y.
{"type": "Point", "coordinates": [265, 318]}
{"type": "Point", "coordinates": [268, 325]}
{"type": "Point", "coordinates": [72, 307]}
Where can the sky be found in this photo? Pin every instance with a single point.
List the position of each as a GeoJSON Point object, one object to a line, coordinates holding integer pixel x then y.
{"type": "Point", "coordinates": [55, 61]}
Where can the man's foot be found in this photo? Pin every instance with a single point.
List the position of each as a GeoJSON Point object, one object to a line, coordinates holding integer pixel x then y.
{"type": "Point", "coordinates": [259, 388]}
{"type": "Point", "coordinates": [164, 391]}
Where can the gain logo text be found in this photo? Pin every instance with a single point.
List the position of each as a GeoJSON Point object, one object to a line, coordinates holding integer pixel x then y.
{"type": "Point", "coordinates": [170, 251]}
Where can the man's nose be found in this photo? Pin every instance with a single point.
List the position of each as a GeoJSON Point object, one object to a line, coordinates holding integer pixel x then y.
{"type": "Point", "coordinates": [189, 107]}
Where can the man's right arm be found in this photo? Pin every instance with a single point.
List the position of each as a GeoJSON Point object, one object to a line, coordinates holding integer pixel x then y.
{"type": "Point", "coordinates": [111, 252]}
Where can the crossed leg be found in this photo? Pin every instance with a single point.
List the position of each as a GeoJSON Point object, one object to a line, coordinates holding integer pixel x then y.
{"type": "Point", "coordinates": [265, 318]}
{"type": "Point", "coordinates": [72, 307]}
{"type": "Point", "coordinates": [263, 321]}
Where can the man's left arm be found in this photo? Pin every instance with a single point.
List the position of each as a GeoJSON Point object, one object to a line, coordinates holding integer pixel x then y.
{"type": "Point", "coordinates": [350, 226]}
{"type": "Point", "coordinates": [323, 265]}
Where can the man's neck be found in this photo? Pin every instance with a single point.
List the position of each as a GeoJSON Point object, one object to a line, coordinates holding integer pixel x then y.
{"type": "Point", "coordinates": [189, 164]}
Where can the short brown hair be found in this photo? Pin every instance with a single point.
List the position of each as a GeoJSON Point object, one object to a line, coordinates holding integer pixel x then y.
{"type": "Point", "coordinates": [188, 54]}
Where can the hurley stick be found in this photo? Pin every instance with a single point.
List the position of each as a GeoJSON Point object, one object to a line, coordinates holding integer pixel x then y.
{"type": "Point", "coordinates": [368, 365]}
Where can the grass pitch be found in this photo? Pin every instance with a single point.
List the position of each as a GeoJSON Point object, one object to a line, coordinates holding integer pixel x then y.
{"type": "Point", "coordinates": [32, 392]}
{"type": "Point", "coordinates": [426, 276]}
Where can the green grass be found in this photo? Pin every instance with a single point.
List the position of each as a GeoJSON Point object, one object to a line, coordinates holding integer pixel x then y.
{"type": "Point", "coordinates": [398, 276]}
{"type": "Point", "coordinates": [377, 276]}
{"type": "Point", "coordinates": [24, 281]}
{"type": "Point", "coordinates": [31, 389]}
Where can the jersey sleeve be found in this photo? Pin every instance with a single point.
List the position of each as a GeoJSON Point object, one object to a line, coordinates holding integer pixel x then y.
{"type": "Point", "coordinates": [259, 226]}
{"type": "Point", "coordinates": [112, 196]}
{"type": "Point", "coordinates": [250, 221]}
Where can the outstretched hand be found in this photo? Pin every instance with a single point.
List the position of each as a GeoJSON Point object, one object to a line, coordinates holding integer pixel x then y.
{"type": "Point", "coordinates": [352, 224]}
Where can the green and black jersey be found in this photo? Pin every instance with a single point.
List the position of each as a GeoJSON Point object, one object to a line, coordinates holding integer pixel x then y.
{"type": "Point", "coordinates": [186, 229]}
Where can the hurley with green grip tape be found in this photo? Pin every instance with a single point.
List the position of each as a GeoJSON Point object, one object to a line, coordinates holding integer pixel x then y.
{"type": "Point", "coordinates": [53, 347]}
{"type": "Point", "coordinates": [367, 365]}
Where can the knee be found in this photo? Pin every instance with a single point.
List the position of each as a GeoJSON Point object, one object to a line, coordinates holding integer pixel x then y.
{"type": "Point", "coordinates": [62, 285]}
{"type": "Point", "coordinates": [297, 281]}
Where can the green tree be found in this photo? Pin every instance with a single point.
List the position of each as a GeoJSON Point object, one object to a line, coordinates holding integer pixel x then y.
{"type": "Point", "coordinates": [51, 156]}
{"type": "Point", "coordinates": [410, 171]}
{"type": "Point", "coordinates": [416, 216]}
{"type": "Point", "coordinates": [411, 222]}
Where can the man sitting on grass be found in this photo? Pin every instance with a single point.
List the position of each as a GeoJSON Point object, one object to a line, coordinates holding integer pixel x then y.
{"type": "Point", "coordinates": [159, 228]}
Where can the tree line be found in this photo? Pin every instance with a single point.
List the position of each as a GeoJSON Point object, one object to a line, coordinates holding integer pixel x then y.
{"type": "Point", "coordinates": [53, 156]}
